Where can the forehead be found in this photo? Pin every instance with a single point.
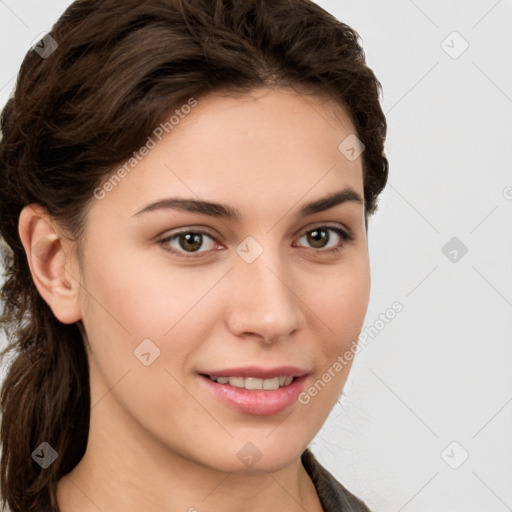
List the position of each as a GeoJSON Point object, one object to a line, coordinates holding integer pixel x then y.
{"type": "Point", "coordinates": [254, 150]}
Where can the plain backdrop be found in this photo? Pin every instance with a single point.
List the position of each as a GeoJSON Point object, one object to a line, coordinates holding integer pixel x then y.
{"type": "Point", "coordinates": [425, 422]}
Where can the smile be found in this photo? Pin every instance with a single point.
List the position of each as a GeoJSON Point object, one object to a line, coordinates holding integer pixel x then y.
{"type": "Point", "coordinates": [255, 395]}
{"type": "Point", "coordinates": [254, 382]}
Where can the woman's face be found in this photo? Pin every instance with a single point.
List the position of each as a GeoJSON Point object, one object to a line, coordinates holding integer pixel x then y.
{"type": "Point", "coordinates": [275, 292]}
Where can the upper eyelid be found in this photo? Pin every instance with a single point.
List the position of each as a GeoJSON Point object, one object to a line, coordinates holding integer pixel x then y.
{"type": "Point", "coordinates": [300, 233]}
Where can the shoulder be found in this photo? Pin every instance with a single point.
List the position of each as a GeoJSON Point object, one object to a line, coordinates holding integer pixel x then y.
{"type": "Point", "coordinates": [334, 497]}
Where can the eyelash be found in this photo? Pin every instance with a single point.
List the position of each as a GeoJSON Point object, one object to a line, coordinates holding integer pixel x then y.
{"type": "Point", "coordinates": [344, 235]}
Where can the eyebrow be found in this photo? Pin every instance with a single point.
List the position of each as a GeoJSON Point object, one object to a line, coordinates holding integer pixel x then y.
{"type": "Point", "coordinates": [228, 212]}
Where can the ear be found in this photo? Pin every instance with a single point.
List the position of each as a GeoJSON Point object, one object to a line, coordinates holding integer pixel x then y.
{"type": "Point", "coordinates": [52, 263]}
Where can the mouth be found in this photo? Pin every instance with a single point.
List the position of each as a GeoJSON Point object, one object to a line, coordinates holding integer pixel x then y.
{"type": "Point", "coordinates": [253, 390]}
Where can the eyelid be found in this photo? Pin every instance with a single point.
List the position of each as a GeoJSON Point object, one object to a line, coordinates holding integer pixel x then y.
{"type": "Point", "coordinates": [328, 225]}
{"type": "Point", "coordinates": [344, 233]}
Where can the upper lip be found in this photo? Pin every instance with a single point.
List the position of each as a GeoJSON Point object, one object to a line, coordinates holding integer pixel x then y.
{"type": "Point", "coordinates": [258, 372]}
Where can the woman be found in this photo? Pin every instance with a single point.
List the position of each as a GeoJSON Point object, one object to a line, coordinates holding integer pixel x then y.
{"type": "Point", "coordinates": [185, 189]}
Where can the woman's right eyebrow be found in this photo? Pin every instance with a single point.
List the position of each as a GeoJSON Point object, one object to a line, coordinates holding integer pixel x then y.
{"type": "Point", "coordinates": [224, 211]}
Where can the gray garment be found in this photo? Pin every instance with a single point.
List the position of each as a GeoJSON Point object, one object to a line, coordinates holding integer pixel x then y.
{"type": "Point", "coordinates": [333, 496]}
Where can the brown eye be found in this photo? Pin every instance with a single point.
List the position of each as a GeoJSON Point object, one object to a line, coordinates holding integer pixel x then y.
{"type": "Point", "coordinates": [187, 242]}
{"type": "Point", "coordinates": [319, 238]}
{"type": "Point", "coordinates": [190, 241]}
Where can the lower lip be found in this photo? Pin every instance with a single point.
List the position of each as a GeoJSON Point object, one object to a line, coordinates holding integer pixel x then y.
{"type": "Point", "coordinates": [260, 402]}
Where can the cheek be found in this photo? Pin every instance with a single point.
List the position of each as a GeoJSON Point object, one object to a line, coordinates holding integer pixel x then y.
{"type": "Point", "coordinates": [132, 298]}
{"type": "Point", "coordinates": [128, 302]}
{"type": "Point", "coordinates": [339, 308]}
{"type": "Point", "coordinates": [139, 295]}
{"type": "Point", "coordinates": [340, 301]}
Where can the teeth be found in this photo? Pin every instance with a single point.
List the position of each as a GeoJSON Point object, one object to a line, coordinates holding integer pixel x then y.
{"type": "Point", "coordinates": [253, 382]}
{"type": "Point", "coordinates": [270, 383]}
{"type": "Point", "coordinates": [237, 382]}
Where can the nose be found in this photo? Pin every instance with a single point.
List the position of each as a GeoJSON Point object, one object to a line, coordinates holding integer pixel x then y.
{"type": "Point", "coordinates": [263, 301]}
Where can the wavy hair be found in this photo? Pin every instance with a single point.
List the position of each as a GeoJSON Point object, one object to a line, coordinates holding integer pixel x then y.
{"type": "Point", "coordinates": [119, 68]}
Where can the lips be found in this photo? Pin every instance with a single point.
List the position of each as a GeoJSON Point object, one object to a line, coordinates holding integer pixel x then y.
{"type": "Point", "coordinates": [256, 390]}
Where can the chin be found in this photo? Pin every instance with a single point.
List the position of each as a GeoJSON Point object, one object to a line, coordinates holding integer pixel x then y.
{"type": "Point", "coordinates": [261, 455]}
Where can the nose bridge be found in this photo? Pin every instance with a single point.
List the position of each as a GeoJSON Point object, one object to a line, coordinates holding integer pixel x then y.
{"type": "Point", "coordinates": [262, 298]}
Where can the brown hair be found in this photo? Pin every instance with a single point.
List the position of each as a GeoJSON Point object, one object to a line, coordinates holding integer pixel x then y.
{"type": "Point", "coordinates": [119, 68]}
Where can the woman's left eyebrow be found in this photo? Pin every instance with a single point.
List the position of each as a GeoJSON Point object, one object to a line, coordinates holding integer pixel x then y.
{"type": "Point", "coordinates": [231, 213]}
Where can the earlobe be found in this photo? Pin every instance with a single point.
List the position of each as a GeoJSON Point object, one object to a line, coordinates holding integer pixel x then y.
{"type": "Point", "coordinates": [50, 261]}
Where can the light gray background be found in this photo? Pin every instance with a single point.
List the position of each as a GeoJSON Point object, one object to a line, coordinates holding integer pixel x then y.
{"type": "Point", "coordinates": [440, 371]}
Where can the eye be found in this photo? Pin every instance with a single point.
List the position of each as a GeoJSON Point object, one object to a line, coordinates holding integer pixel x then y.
{"type": "Point", "coordinates": [187, 241]}
{"type": "Point", "coordinates": [190, 241]}
{"type": "Point", "coordinates": [319, 238]}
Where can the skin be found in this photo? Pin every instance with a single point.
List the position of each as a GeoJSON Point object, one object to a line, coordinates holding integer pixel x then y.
{"type": "Point", "coordinates": [159, 440]}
